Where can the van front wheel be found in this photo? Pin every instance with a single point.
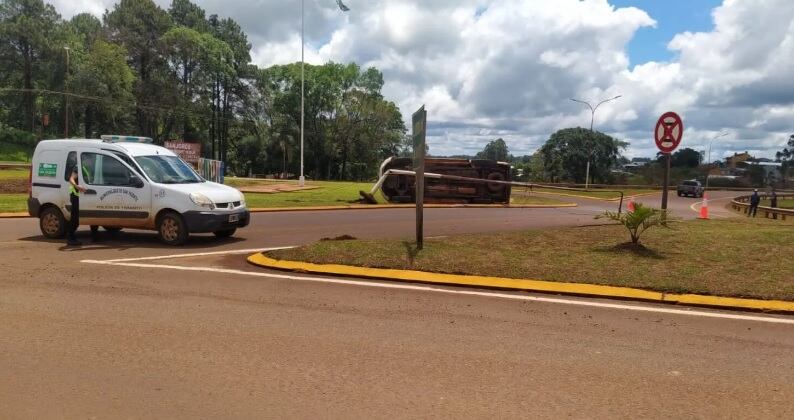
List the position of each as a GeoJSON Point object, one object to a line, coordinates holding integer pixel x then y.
{"type": "Point", "coordinates": [52, 223]}
{"type": "Point", "coordinates": [171, 229]}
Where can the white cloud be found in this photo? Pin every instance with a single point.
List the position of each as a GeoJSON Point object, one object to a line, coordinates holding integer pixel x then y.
{"type": "Point", "coordinates": [488, 68]}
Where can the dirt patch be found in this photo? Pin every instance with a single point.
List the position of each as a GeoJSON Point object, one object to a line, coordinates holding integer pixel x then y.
{"type": "Point", "coordinates": [274, 188]}
{"type": "Point", "coordinates": [13, 186]}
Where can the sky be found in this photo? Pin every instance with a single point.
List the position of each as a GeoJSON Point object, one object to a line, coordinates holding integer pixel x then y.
{"type": "Point", "coordinates": [486, 69]}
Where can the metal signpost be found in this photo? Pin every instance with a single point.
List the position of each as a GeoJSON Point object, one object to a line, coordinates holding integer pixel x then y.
{"type": "Point", "coordinates": [668, 133]}
{"type": "Point", "coordinates": [419, 125]}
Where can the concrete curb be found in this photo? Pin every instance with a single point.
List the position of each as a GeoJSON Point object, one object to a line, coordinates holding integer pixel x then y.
{"type": "Point", "coordinates": [13, 215]}
{"type": "Point", "coordinates": [579, 289]}
{"type": "Point", "coordinates": [375, 207]}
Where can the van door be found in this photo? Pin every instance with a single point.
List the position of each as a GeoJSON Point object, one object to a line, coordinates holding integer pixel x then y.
{"type": "Point", "coordinates": [116, 195]}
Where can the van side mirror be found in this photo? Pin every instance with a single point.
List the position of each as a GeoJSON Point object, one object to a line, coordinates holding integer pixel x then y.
{"type": "Point", "coordinates": [136, 182]}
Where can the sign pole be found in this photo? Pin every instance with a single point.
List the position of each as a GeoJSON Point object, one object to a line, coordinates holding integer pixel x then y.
{"type": "Point", "coordinates": [666, 185]}
{"type": "Point", "coordinates": [419, 121]}
{"type": "Point", "coordinates": [667, 134]}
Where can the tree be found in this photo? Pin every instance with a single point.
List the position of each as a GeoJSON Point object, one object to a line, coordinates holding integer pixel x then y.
{"type": "Point", "coordinates": [495, 150]}
{"type": "Point", "coordinates": [27, 29]}
{"type": "Point", "coordinates": [786, 157]}
{"type": "Point", "coordinates": [138, 26]}
{"type": "Point", "coordinates": [567, 151]}
{"type": "Point", "coordinates": [682, 158]}
{"type": "Point", "coordinates": [104, 73]}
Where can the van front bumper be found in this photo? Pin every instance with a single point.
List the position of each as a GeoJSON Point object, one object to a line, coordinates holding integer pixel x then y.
{"type": "Point", "coordinates": [205, 221]}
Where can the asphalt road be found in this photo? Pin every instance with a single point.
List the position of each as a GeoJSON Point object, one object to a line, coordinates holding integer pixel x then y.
{"type": "Point", "coordinates": [171, 338]}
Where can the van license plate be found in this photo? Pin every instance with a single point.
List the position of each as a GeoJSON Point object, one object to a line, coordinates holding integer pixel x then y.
{"type": "Point", "coordinates": [234, 218]}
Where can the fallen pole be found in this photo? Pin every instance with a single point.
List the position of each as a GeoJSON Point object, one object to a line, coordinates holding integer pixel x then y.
{"type": "Point", "coordinates": [370, 196]}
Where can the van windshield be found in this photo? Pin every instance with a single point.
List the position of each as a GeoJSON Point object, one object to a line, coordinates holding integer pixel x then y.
{"type": "Point", "coordinates": [168, 170]}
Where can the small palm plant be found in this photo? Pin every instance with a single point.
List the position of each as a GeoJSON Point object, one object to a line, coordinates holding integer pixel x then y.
{"type": "Point", "coordinates": [637, 221]}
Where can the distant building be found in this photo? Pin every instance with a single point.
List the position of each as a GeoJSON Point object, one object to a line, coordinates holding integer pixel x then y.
{"type": "Point", "coordinates": [737, 158]}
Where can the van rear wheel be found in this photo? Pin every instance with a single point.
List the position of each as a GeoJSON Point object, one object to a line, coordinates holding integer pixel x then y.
{"type": "Point", "coordinates": [52, 223]}
{"type": "Point", "coordinates": [172, 229]}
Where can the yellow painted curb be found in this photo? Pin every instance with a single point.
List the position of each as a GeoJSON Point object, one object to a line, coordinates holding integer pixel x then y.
{"type": "Point", "coordinates": [583, 289]}
{"type": "Point", "coordinates": [14, 215]}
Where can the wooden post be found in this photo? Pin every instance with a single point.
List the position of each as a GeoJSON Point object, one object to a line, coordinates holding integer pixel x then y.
{"type": "Point", "coordinates": [419, 121]}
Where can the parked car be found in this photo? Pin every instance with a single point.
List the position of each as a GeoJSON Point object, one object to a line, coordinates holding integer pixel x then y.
{"type": "Point", "coordinates": [130, 184]}
{"type": "Point", "coordinates": [691, 187]}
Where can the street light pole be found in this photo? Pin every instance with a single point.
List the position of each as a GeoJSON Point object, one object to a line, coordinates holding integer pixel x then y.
{"type": "Point", "coordinates": [302, 180]}
{"type": "Point", "coordinates": [708, 163]}
{"type": "Point", "coordinates": [66, 96]}
{"type": "Point", "coordinates": [592, 117]}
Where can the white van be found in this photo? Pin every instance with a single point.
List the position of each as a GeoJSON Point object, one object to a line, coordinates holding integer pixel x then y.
{"type": "Point", "coordinates": [130, 184]}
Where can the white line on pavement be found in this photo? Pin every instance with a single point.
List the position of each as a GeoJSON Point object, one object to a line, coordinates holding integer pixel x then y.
{"type": "Point", "coordinates": [200, 254]}
{"type": "Point", "coordinates": [368, 283]}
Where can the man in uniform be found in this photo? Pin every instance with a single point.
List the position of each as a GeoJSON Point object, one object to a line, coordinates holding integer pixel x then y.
{"type": "Point", "coordinates": [74, 198]}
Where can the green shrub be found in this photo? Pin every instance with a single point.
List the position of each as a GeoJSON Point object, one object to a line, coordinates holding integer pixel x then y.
{"type": "Point", "coordinates": [637, 221]}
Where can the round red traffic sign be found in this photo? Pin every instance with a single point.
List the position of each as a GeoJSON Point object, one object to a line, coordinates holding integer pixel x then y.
{"type": "Point", "coordinates": [669, 131]}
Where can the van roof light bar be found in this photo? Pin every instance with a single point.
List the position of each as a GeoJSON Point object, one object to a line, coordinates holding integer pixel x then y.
{"type": "Point", "coordinates": [125, 139]}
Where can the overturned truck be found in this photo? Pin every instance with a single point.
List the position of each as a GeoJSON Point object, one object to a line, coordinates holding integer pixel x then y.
{"type": "Point", "coordinates": [463, 181]}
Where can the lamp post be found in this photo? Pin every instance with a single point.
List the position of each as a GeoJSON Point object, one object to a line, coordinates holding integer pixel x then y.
{"type": "Point", "coordinates": [708, 163]}
{"type": "Point", "coordinates": [342, 7]}
{"type": "Point", "coordinates": [592, 117]}
{"type": "Point", "coordinates": [66, 96]}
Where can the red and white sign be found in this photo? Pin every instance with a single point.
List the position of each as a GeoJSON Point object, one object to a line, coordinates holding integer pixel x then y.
{"type": "Point", "coordinates": [669, 131]}
{"type": "Point", "coordinates": [189, 152]}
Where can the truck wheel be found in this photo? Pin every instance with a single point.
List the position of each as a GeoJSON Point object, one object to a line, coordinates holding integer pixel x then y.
{"type": "Point", "coordinates": [171, 229]}
{"type": "Point", "coordinates": [496, 188]}
{"type": "Point", "coordinates": [52, 223]}
{"type": "Point", "coordinates": [225, 233]}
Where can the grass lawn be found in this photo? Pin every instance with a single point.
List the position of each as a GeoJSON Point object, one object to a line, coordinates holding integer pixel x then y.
{"type": "Point", "coordinates": [332, 193]}
{"type": "Point", "coordinates": [783, 204]}
{"type": "Point", "coordinates": [13, 174]}
{"type": "Point", "coordinates": [12, 203]}
{"type": "Point", "coordinates": [328, 193]}
{"type": "Point", "coordinates": [733, 257]}
{"type": "Point", "coordinates": [593, 193]}
{"type": "Point", "coordinates": [14, 153]}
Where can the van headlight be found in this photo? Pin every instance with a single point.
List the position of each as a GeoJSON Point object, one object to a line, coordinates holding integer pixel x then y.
{"type": "Point", "coordinates": [242, 200]}
{"type": "Point", "coordinates": [202, 200]}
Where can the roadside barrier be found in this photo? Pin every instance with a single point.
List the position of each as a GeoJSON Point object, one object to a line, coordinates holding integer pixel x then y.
{"type": "Point", "coordinates": [742, 205]}
{"type": "Point", "coordinates": [211, 170]}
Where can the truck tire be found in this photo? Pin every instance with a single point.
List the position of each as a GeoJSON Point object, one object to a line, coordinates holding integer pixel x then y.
{"type": "Point", "coordinates": [496, 188]}
{"type": "Point", "coordinates": [172, 229]}
{"type": "Point", "coordinates": [52, 223]}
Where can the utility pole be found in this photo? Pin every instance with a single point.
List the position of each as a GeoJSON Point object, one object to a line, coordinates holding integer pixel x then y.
{"type": "Point", "coordinates": [66, 96]}
{"type": "Point", "coordinates": [592, 117]}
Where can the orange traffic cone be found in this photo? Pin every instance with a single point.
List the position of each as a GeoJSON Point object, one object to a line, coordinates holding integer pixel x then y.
{"type": "Point", "coordinates": [630, 206]}
{"type": "Point", "coordinates": [704, 208]}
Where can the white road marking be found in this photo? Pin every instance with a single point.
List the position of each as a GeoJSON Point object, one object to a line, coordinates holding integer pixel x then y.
{"type": "Point", "coordinates": [367, 283]}
{"type": "Point", "coordinates": [199, 254]}
{"type": "Point", "coordinates": [692, 206]}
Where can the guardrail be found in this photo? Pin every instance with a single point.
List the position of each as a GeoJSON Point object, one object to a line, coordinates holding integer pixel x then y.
{"type": "Point", "coordinates": [742, 204]}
